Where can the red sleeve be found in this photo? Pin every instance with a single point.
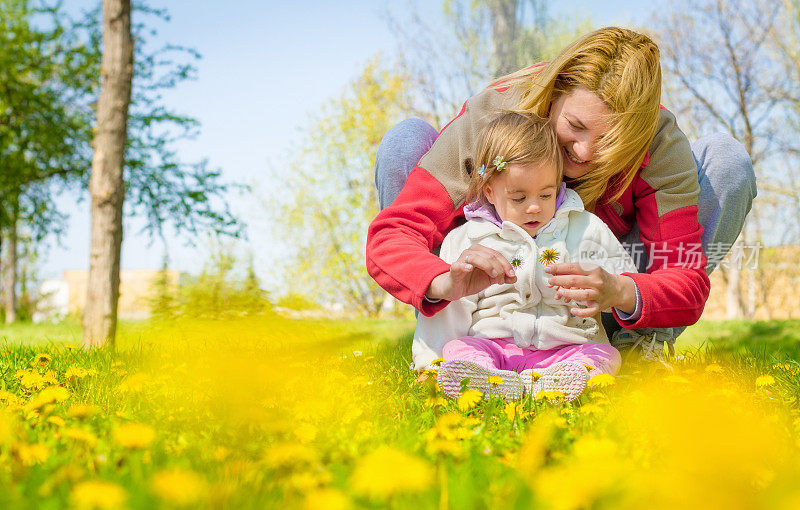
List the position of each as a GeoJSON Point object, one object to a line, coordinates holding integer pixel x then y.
{"type": "Point", "coordinates": [675, 288]}
{"type": "Point", "coordinates": [400, 240]}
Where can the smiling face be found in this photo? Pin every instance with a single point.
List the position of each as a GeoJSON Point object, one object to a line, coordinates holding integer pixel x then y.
{"type": "Point", "coordinates": [525, 194]}
{"type": "Point", "coordinates": [579, 119]}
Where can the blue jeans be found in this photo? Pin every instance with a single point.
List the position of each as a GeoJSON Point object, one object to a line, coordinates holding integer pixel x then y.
{"type": "Point", "coordinates": [725, 174]}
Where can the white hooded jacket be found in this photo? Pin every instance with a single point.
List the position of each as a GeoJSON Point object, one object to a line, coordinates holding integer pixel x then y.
{"type": "Point", "coordinates": [525, 310]}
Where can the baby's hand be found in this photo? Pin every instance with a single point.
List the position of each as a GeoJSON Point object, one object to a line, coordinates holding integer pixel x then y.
{"type": "Point", "coordinates": [476, 269]}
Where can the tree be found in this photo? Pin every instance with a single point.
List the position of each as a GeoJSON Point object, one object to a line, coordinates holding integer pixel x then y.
{"type": "Point", "coordinates": [785, 38]}
{"type": "Point", "coordinates": [189, 197]}
{"type": "Point", "coordinates": [48, 80]}
{"type": "Point", "coordinates": [726, 78]}
{"type": "Point", "coordinates": [479, 41]}
{"type": "Point", "coordinates": [332, 194]}
{"type": "Point", "coordinates": [45, 126]}
{"type": "Point", "coordinates": [107, 185]}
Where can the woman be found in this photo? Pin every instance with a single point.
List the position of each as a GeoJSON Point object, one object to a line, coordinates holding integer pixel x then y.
{"type": "Point", "coordinates": [624, 155]}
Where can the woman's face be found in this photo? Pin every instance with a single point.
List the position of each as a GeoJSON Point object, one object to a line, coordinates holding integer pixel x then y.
{"type": "Point", "coordinates": [579, 119]}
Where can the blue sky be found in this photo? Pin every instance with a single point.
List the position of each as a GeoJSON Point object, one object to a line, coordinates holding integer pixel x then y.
{"type": "Point", "coordinates": [266, 67]}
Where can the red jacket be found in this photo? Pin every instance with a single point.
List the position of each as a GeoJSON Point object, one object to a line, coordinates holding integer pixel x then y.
{"type": "Point", "coordinates": [661, 200]}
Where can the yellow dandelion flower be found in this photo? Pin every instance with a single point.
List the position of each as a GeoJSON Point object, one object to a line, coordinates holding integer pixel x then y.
{"type": "Point", "coordinates": [58, 421]}
{"type": "Point", "coordinates": [179, 487]}
{"type": "Point", "coordinates": [7, 428]}
{"type": "Point", "coordinates": [288, 455]}
{"type": "Point", "coordinates": [326, 499]}
{"type": "Point", "coordinates": [10, 399]}
{"type": "Point", "coordinates": [713, 368]}
{"type": "Point", "coordinates": [437, 361]}
{"type": "Point", "coordinates": [472, 422]}
{"type": "Point", "coordinates": [440, 446]}
{"type": "Point", "coordinates": [549, 256]}
{"type": "Point", "coordinates": [548, 395]}
{"type": "Point", "coordinates": [591, 409]}
{"type": "Point", "coordinates": [31, 454]}
{"type": "Point", "coordinates": [436, 401]}
{"type": "Point", "coordinates": [449, 420]}
{"type": "Point", "coordinates": [495, 379]}
{"type": "Point", "coordinates": [134, 435]}
{"type": "Point", "coordinates": [50, 377]}
{"type": "Point", "coordinates": [306, 481]}
{"type": "Point", "coordinates": [221, 453]}
{"type": "Point", "coordinates": [79, 434]}
{"type": "Point", "coordinates": [601, 381]}
{"type": "Point", "coordinates": [764, 380]}
{"type": "Point", "coordinates": [469, 399]}
{"type": "Point", "coordinates": [512, 410]}
{"type": "Point", "coordinates": [588, 367]}
{"type": "Point", "coordinates": [98, 495]}
{"type": "Point", "coordinates": [305, 432]}
{"type": "Point", "coordinates": [82, 410]}
{"type": "Point", "coordinates": [30, 379]}
{"type": "Point", "coordinates": [387, 472]}
{"type": "Point", "coordinates": [134, 383]}
{"type": "Point", "coordinates": [598, 395]}
{"type": "Point", "coordinates": [536, 376]}
{"type": "Point", "coordinates": [47, 396]}
{"type": "Point", "coordinates": [77, 372]}
{"type": "Point", "coordinates": [42, 358]}
{"type": "Point", "coordinates": [676, 379]}
{"type": "Point", "coordinates": [463, 433]}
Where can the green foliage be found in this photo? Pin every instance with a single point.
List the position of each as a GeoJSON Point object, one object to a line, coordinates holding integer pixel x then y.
{"type": "Point", "coordinates": [216, 292]}
{"type": "Point", "coordinates": [189, 197]}
{"type": "Point", "coordinates": [296, 302]}
{"type": "Point", "coordinates": [332, 194]}
{"type": "Point", "coordinates": [45, 117]}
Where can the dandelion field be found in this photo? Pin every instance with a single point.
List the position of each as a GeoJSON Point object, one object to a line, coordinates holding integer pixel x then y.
{"type": "Point", "coordinates": [272, 412]}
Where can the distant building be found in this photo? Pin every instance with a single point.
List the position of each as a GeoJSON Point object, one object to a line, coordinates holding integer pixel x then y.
{"type": "Point", "coordinates": [60, 298]}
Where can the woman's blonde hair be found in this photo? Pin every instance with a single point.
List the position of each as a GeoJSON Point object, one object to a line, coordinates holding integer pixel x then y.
{"type": "Point", "coordinates": [620, 66]}
{"type": "Point", "coordinates": [513, 137]}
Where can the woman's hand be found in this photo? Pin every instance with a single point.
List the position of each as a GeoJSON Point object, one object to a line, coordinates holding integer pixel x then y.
{"type": "Point", "coordinates": [477, 268]}
{"type": "Point", "coordinates": [593, 285]}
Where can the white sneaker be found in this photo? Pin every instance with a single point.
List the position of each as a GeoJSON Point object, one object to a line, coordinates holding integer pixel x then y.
{"type": "Point", "coordinates": [649, 343]}
{"type": "Point", "coordinates": [566, 377]}
{"type": "Point", "coordinates": [453, 372]}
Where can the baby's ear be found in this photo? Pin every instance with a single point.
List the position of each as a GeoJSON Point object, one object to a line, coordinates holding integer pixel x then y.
{"type": "Point", "coordinates": [488, 194]}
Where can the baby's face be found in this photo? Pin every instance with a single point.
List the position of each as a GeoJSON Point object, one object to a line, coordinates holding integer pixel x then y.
{"type": "Point", "coordinates": [524, 194]}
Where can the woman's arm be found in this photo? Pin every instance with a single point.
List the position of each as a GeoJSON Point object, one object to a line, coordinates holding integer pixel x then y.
{"type": "Point", "coordinates": [676, 286]}
{"type": "Point", "coordinates": [401, 238]}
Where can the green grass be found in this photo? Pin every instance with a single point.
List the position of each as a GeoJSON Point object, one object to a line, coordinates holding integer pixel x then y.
{"type": "Point", "coordinates": [263, 413]}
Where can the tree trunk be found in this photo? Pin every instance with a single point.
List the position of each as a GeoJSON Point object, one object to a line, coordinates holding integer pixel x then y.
{"type": "Point", "coordinates": [106, 185]}
{"type": "Point", "coordinates": [10, 269]}
{"type": "Point", "coordinates": [735, 310]}
{"type": "Point", "coordinates": [504, 31]}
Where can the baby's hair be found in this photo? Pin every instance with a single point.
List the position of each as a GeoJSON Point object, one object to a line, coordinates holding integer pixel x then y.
{"type": "Point", "coordinates": [517, 137]}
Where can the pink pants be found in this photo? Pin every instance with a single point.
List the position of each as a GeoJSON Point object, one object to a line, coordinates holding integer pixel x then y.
{"type": "Point", "coordinates": [503, 354]}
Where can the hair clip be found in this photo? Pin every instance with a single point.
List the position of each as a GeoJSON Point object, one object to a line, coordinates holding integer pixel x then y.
{"type": "Point", "coordinates": [499, 163]}
{"type": "Point", "coordinates": [482, 171]}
